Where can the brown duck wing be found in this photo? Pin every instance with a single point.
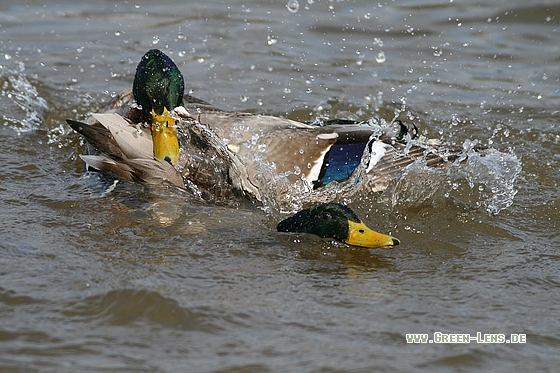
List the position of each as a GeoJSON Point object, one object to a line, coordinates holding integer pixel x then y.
{"type": "Point", "coordinates": [125, 151]}
{"type": "Point", "coordinates": [297, 153]}
{"type": "Point", "coordinates": [292, 147]}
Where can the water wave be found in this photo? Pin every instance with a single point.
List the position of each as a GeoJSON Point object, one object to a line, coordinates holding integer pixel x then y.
{"type": "Point", "coordinates": [127, 307]}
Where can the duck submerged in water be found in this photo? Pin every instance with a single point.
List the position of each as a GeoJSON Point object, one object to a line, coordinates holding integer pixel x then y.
{"type": "Point", "coordinates": [334, 220]}
{"type": "Point", "coordinates": [156, 135]}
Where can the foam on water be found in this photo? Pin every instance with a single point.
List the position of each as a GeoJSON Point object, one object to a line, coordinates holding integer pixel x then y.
{"type": "Point", "coordinates": [21, 106]}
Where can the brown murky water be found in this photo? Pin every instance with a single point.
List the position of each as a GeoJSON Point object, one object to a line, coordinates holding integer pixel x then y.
{"type": "Point", "coordinates": [133, 280]}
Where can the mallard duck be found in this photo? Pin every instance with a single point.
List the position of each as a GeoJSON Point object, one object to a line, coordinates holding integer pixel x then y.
{"type": "Point", "coordinates": [157, 135]}
{"type": "Point", "coordinates": [334, 220]}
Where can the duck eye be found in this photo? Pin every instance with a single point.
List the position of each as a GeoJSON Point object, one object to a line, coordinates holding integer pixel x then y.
{"type": "Point", "coordinates": [327, 216]}
{"type": "Point", "coordinates": [362, 231]}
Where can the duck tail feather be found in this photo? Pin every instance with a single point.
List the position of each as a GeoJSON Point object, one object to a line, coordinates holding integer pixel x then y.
{"type": "Point", "coordinates": [152, 171]}
{"type": "Point", "coordinates": [100, 138]}
{"type": "Point", "coordinates": [104, 163]}
{"type": "Point", "coordinates": [134, 142]}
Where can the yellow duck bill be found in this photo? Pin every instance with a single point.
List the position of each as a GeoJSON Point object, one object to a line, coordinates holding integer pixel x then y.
{"type": "Point", "coordinates": [360, 235]}
{"type": "Point", "coordinates": [164, 135]}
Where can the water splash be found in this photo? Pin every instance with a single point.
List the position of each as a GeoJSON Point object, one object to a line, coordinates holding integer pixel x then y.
{"type": "Point", "coordinates": [477, 179]}
{"type": "Point", "coordinates": [21, 106]}
{"type": "Point", "coordinates": [490, 176]}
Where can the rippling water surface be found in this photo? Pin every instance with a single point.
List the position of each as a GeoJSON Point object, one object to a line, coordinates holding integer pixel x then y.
{"type": "Point", "coordinates": [138, 280]}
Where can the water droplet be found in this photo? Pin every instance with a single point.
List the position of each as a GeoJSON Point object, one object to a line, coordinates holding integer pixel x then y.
{"type": "Point", "coordinates": [254, 139]}
{"type": "Point", "coordinates": [155, 40]}
{"type": "Point", "coordinates": [243, 98]}
{"type": "Point", "coordinates": [271, 40]}
{"type": "Point", "coordinates": [380, 57]}
{"type": "Point", "coordinates": [293, 6]}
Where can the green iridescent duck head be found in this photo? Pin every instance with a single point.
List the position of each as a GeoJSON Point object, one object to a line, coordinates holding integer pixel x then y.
{"type": "Point", "coordinates": [158, 83]}
{"type": "Point", "coordinates": [158, 88]}
{"type": "Point", "coordinates": [334, 220]}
